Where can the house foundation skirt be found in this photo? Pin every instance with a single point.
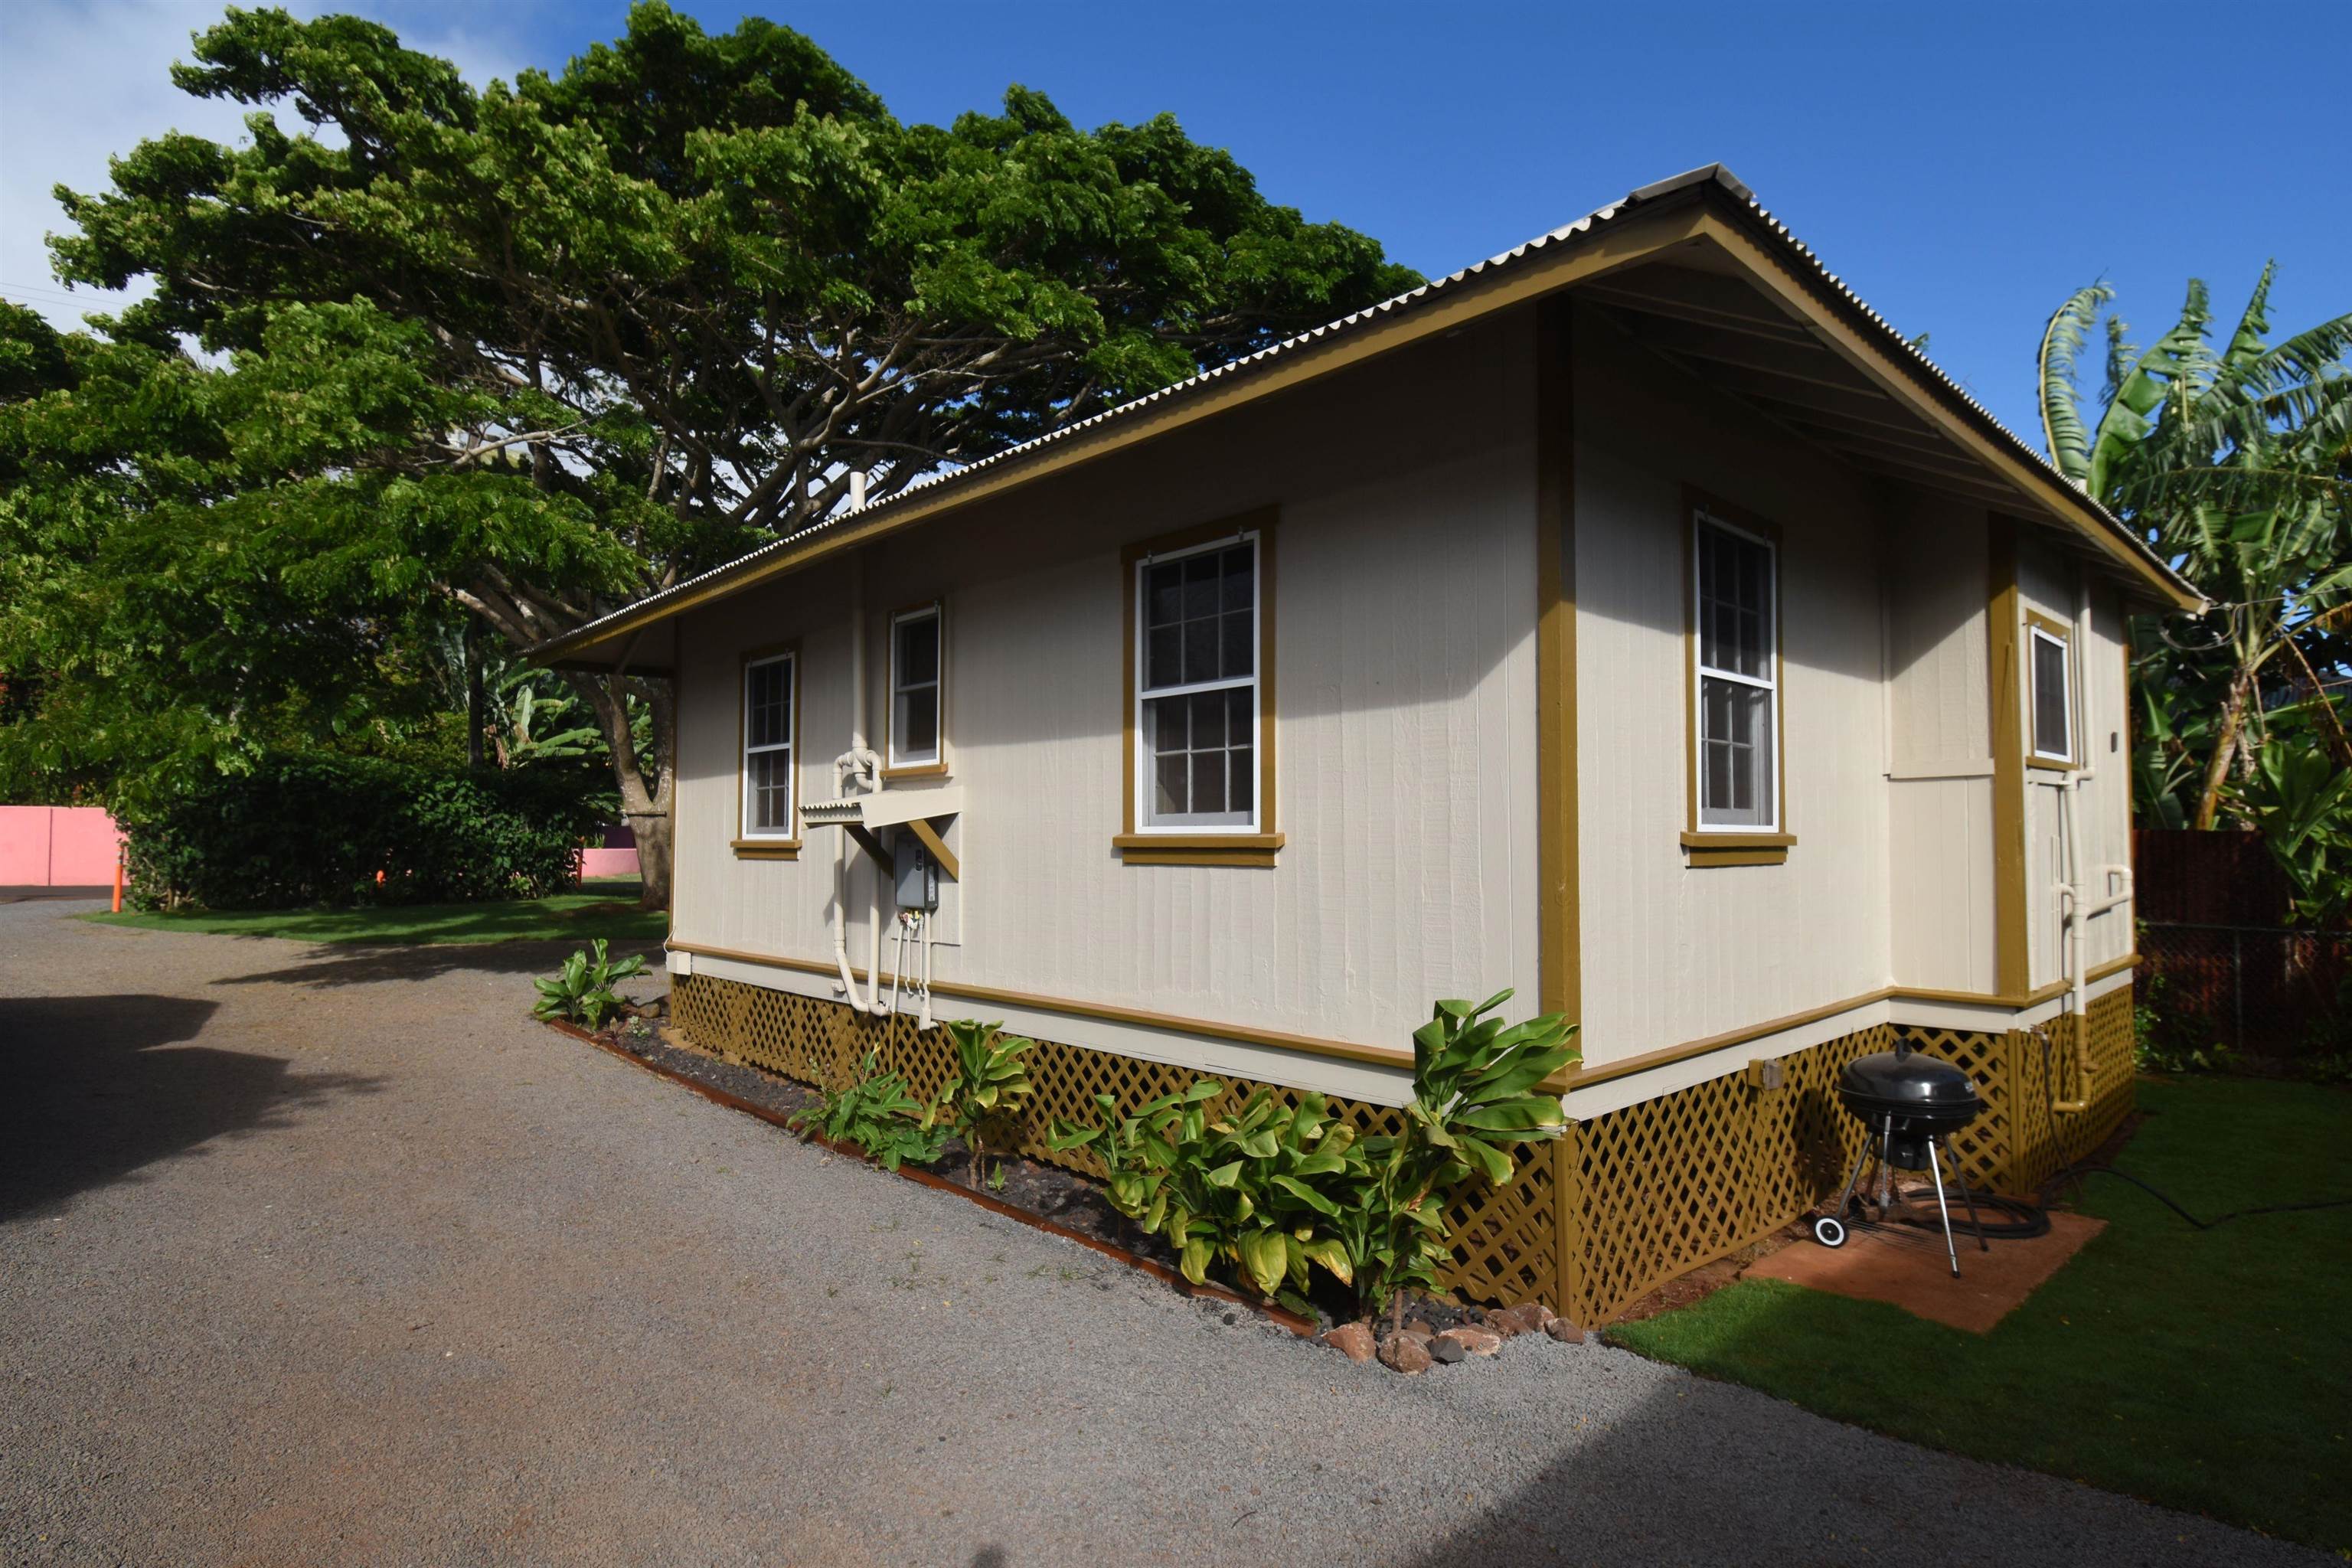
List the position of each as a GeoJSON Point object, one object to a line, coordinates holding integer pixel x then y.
{"type": "Point", "coordinates": [1588, 1223]}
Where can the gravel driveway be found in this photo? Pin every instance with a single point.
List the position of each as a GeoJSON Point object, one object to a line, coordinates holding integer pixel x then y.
{"type": "Point", "coordinates": [322, 1255]}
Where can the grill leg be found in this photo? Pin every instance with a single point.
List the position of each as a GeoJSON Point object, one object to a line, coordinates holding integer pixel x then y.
{"type": "Point", "coordinates": [1974, 1223]}
{"type": "Point", "coordinates": [1852, 1179]}
{"type": "Point", "coordinates": [1951, 1251]}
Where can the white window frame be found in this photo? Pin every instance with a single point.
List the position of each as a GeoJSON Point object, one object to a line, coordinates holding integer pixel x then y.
{"type": "Point", "coordinates": [790, 831]}
{"type": "Point", "coordinates": [1146, 771]}
{"type": "Point", "coordinates": [1702, 672]}
{"type": "Point", "coordinates": [894, 757]}
{"type": "Point", "coordinates": [2034, 634]}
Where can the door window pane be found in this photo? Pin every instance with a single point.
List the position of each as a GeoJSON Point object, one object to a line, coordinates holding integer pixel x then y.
{"type": "Point", "coordinates": [2053, 729]}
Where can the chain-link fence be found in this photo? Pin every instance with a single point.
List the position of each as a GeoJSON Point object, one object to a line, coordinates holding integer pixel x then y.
{"type": "Point", "coordinates": [2222, 964]}
{"type": "Point", "coordinates": [2259, 991]}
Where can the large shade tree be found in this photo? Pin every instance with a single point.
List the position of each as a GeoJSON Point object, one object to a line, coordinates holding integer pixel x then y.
{"type": "Point", "coordinates": [2236, 463]}
{"type": "Point", "coordinates": [537, 349]}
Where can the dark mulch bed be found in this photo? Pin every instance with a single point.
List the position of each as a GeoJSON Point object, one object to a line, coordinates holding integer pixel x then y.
{"type": "Point", "coordinates": [1046, 1191]}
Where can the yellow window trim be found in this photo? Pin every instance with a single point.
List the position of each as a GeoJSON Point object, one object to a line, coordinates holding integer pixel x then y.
{"type": "Point", "coordinates": [931, 769]}
{"type": "Point", "coordinates": [765, 846]}
{"type": "Point", "coordinates": [1198, 847]}
{"type": "Point", "coordinates": [1730, 846]}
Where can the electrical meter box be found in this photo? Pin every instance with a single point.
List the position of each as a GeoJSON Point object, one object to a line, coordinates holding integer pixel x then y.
{"type": "Point", "coordinates": [916, 874]}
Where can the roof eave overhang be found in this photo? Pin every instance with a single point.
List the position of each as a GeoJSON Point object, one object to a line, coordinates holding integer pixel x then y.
{"type": "Point", "coordinates": [1707, 205]}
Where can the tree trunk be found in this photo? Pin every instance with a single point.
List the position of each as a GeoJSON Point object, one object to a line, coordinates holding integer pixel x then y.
{"type": "Point", "coordinates": [2217, 767]}
{"type": "Point", "coordinates": [644, 806]}
{"type": "Point", "coordinates": [478, 706]}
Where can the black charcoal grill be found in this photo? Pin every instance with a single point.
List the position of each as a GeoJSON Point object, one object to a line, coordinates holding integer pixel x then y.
{"type": "Point", "coordinates": [1910, 1104]}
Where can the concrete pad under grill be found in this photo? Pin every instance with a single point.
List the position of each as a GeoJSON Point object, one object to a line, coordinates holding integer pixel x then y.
{"type": "Point", "coordinates": [1907, 1267]}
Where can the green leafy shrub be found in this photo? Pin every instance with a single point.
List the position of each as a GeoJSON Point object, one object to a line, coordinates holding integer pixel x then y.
{"type": "Point", "coordinates": [582, 990]}
{"type": "Point", "coordinates": [985, 1090]}
{"type": "Point", "coordinates": [1476, 1094]}
{"type": "Point", "coordinates": [1276, 1191]}
{"type": "Point", "coordinates": [1254, 1190]}
{"type": "Point", "coordinates": [304, 831]}
{"type": "Point", "coordinates": [877, 1111]}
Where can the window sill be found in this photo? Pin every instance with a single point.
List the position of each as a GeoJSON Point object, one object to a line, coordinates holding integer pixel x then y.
{"type": "Point", "coordinates": [2049, 764]}
{"type": "Point", "coordinates": [765, 849]}
{"type": "Point", "coordinates": [1256, 849]}
{"type": "Point", "coordinates": [916, 770]}
{"type": "Point", "coordinates": [1738, 848]}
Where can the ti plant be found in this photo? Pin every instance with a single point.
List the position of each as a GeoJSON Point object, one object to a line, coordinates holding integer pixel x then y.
{"type": "Point", "coordinates": [1477, 1093]}
{"type": "Point", "coordinates": [583, 989]}
{"type": "Point", "coordinates": [877, 1113]}
{"type": "Point", "coordinates": [985, 1089]}
{"type": "Point", "coordinates": [1256, 1189]}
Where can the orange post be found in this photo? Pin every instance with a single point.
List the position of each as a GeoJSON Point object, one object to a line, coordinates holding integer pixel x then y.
{"type": "Point", "coordinates": [118, 881]}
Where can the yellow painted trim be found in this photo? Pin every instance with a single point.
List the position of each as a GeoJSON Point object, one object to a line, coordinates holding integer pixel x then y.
{"type": "Point", "coordinates": [1733, 841]}
{"type": "Point", "coordinates": [1377, 1056]}
{"type": "Point", "coordinates": [1625, 243]}
{"type": "Point", "coordinates": [2013, 952]}
{"type": "Point", "coordinates": [1586, 1078]}
{"type": "Point", "coordinates": [928, 836]}
{"type": "Point", "coordinates": [1574, 1077]}
{"type": "Point", "coordinates": [774, 845]}
{"type": "Point", "coordinates": [1698, 859]}
{"type": "Point", "coordinates": [1203, 840]}
{"type": "Point", "coordinates": [1622, 243]}
{"type": "Point", "coordinates": [1202, 847]}
{"type": "Point", "coordinates": [1559, 914]}
{"type": "Point", "coordinates": [1903, 384]}
{"type": "Point", "coordinates": [1261, 859]}
{"type": "Point", "coordinates": [2063, 634]}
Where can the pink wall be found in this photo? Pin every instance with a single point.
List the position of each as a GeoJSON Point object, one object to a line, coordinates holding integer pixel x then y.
{"type": "Point", "coordinates": [608, 862]}
{"type": "Point", "coordinates": [57, 846]}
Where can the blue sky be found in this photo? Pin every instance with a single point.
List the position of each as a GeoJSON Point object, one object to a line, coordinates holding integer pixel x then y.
{"type": "Point", "coordinates": [1963, 166]}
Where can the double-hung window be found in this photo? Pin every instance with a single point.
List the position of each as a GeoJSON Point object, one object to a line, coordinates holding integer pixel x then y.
{"type": "Point", "coordinates": [918, 688]}
{"type": "Point", "coordinates": [2052, 706]}
{"type": "Point", "coordinates": [1736, 646]}
{"type": "Point", "coordinates": [770, 697]}
{"type": "Point", "coordinates": [1197, 710]}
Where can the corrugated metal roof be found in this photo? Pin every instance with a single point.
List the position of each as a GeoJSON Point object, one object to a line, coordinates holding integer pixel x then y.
{"type": "Point", "coordinates": [927, 487]}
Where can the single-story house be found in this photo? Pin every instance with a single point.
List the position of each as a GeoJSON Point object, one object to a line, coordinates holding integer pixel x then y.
{"type": "Point", "coordinates": [1634, 618]}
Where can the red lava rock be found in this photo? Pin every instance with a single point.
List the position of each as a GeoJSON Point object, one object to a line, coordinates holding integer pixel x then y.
{"type": "Point", "coordinates": [1352, 1340]}
{"type": "Point", "coordinates": [1563, 1330]}
{"type": "Point", "coordinates": [1526, 1318]}
{"type": "Point", "coordinates": [1477, 1341]}
{"type": "Point", "coordinates": [1420, 1326]}
{"type": "Point", "coordinates": [1402, 1354]}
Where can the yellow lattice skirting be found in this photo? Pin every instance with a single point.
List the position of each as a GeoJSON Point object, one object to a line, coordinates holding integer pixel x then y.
{"type": "Point", "coordinates": [1653, 1190]}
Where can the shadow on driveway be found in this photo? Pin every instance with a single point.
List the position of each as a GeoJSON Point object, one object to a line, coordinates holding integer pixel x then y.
{"type": "Point", "coordinates": [352, 963]}
{"type": "Point", "coordinates": [100, 1086]}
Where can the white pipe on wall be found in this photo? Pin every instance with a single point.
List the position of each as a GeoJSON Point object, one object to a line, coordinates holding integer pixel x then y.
{"type": "Point", "coordinates": [2074, 908]}
{"type": "Point", "coordinates": [860, 765]}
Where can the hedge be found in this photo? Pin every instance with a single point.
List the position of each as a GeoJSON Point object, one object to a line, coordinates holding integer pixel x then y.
{"type": "Point", "coordinates": [300, 832]}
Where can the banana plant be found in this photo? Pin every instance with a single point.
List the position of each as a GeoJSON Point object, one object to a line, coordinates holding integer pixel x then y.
{"type": "Point", "coordinates": [2232, 464]}
{"type": "Point", "coordinates": [987, 1087]}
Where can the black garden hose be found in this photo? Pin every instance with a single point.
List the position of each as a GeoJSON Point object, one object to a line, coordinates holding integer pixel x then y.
{"type": "Point", "coordinates": [2028, 1221]}
{"type": "Point", "coordinates": [2078, 1172]}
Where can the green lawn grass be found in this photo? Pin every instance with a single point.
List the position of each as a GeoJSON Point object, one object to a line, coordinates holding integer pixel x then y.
{"type": "Point", "coordinates": [2209, 1371]}
{"type": "Point", "coordinates": [605, 907]}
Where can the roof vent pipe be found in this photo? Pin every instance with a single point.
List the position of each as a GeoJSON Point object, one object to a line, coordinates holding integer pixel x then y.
{"type": "Point", "coordinates": [857, 489]}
